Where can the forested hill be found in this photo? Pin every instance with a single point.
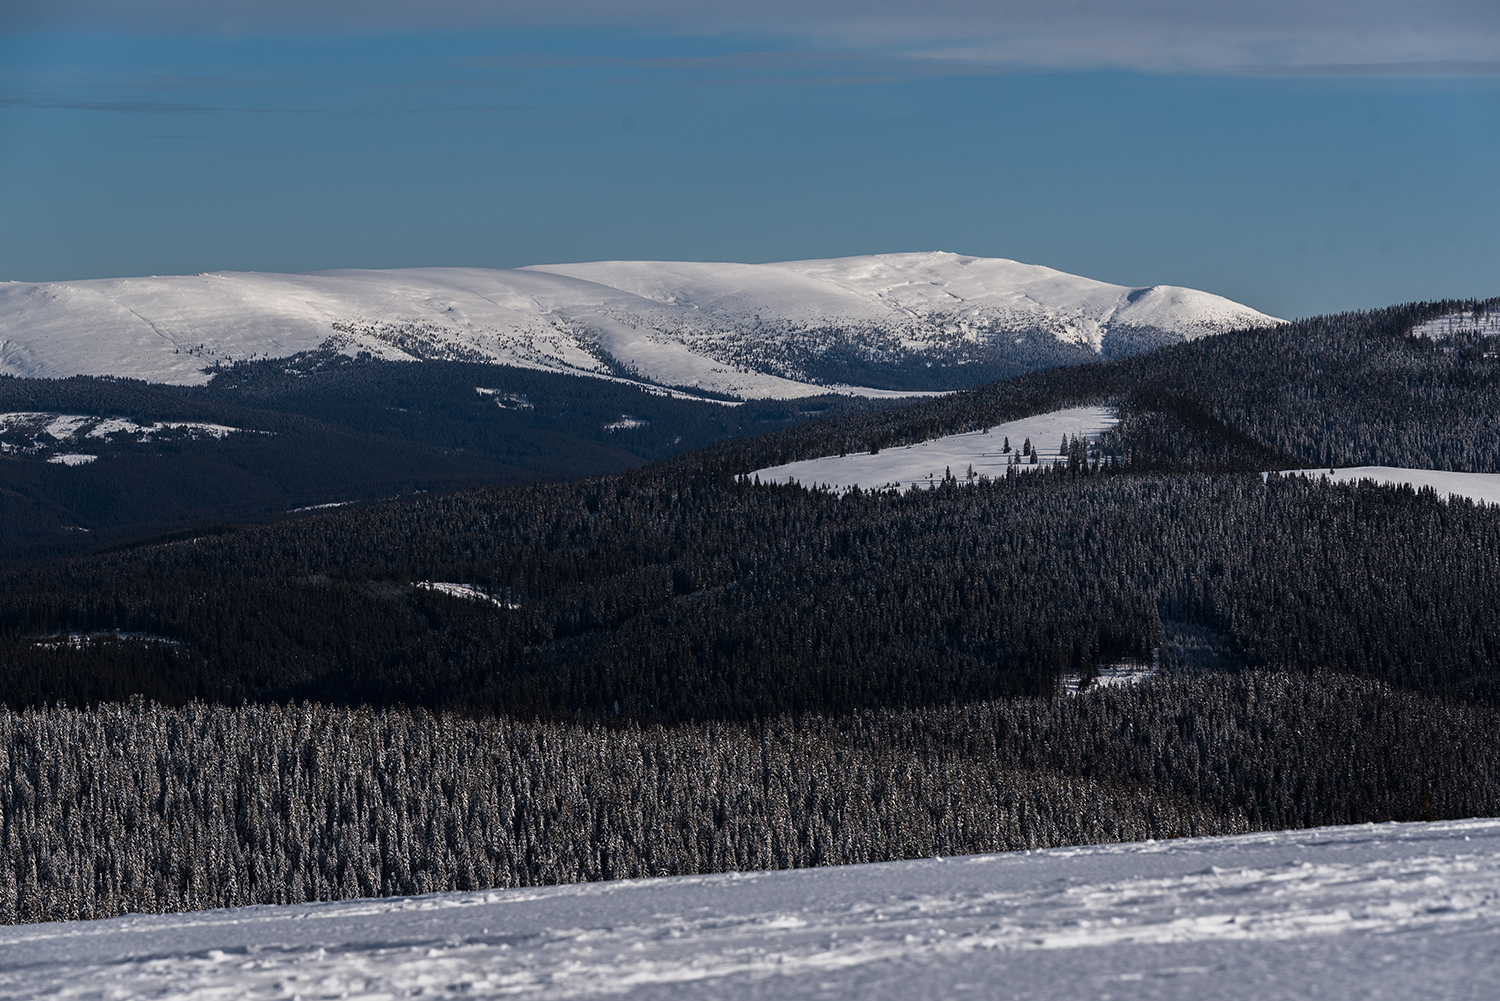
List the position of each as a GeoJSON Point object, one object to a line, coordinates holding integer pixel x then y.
{"type": "Point", "coordinates": [87, 463]}
{"type": "Point", "coordinates": [677, 669]}
{"type": "Point", "coordinates": [681, 591]}
{"type": "Point", "coordinates": [1346, 390]}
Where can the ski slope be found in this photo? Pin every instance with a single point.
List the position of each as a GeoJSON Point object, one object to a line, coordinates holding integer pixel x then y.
{"type": "Point", "coordinates": [911, 467]}
{"type": "Point", "coordinates": [1396, 911]}
{"type": "Point", "coordinates": [748, 330]}
{"type": "Point", "coordinates": [1479, 487]}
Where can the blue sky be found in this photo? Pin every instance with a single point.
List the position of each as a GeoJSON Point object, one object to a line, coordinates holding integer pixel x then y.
{"type": "Point", "coordinates": [1321, 169]}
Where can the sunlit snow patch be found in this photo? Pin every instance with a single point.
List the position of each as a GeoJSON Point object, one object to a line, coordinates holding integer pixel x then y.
{"type": "Point", "coordinates": [65, 426]}
{"type": "Point", "coordinates": [320, 507]}
{"type": "Point", "coordinates": [506, 401]}
{"type": "Point", "coordinates": [79, 641]}
{"type": "Point", "coordinates": [463, 591]}
{"type": "Point", "coordinates": [626, 423]}
{"type": "Point", "coordinates": [1115, 675]}
{"type": "Point", "coordinates": [1479, 487]}
{"type": "Point", "coordinates": [1482, 323]}
{"type": "Point", "coordinates": [37, 434]}
{"type": "Point", "coordinates": [915, 466]}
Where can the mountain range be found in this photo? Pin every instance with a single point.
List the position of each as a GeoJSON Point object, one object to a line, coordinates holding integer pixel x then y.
{"type": "Point", "coordinates": [887, 324]}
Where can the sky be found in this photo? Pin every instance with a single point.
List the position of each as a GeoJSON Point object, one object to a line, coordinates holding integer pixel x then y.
{"type": "Point", "coordinates": [1300, 157]}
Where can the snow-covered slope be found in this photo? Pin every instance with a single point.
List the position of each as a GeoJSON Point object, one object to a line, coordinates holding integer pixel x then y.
{"type": "Point", "coordinates": [991, 453]}
{"type": "Point", "coordinates": [1483, 488]}
{"type": "Point", "coordinates": [899, 321]}
{"type": "Point", "coordinates": [931, 298]}
{"type": "Point", "coordinates": [1371, 911]}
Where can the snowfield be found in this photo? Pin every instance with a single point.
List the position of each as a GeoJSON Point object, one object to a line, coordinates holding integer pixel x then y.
{"type": "Point", "coordinates": [1482, 324]}
{"type": "Point", "coordinates": [43, 434]}
{"type": "Point", "coordinates": [1396, 911]}
{"type": "Point", "coordinates": [911, 467]}
{"type": "Point", "coordinates": [1480, 487]}
{"type": "Point", "coordinates": [971, 294]}
{"type": "Point", "coordinates": [749, 330]}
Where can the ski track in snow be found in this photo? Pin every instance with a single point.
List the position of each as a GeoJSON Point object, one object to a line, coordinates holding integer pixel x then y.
{"type": "Point", "coordinates": [1368, 911]}
{"type": "Point", "coordinates": [908, 467]}
{"type": "Point", "coordinates": [1482, 487]}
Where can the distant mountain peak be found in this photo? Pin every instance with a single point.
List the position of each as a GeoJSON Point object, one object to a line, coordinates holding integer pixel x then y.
{"type": "Point", "coordinates": [922, 321]}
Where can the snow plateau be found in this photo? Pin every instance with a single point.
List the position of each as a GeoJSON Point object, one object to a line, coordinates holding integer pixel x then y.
{"type": "Point", "coordinates": [748, 330]}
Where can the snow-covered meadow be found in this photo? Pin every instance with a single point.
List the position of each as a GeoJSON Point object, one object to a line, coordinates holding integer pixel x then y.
{"type": "Point", "coordinates": [1482, 487]}
{"type": "Point", "coordinates": [911, 467]}
{"type": "Point", "coordinates": [1483, 324]}
{"type": "Point", "coordinates": [1369, 911]}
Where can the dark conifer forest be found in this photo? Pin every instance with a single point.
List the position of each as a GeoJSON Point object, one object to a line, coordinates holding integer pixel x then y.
{"type": "Point", "coordinates": [322, 428]}
{"type": "Point", "coordinates": [677, 668]}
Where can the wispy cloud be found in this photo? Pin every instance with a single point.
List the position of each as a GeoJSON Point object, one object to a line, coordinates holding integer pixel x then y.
{"type": "Point", "coordinates": [1444, 37]}
{"type": "Point", "coordinates": [61, 103]}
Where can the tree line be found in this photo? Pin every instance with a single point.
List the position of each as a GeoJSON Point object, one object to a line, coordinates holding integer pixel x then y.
{"type": "Point", "coordinates": [139, 807]}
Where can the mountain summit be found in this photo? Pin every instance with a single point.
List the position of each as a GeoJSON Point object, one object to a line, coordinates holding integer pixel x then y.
{"type": "Point", "coordinates": [886, 323]}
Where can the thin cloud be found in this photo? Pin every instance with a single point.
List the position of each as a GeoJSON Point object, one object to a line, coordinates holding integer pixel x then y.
{"type": "Point", "coordinates": [1235, 36]}
{"type": "Point", "coordinates": [1439, 68]}
{"type": "Point", "coordinates": [55, 103]}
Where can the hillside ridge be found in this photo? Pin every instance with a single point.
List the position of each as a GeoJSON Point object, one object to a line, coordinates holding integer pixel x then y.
{"type": "Point", "coordinates": [884, 324]}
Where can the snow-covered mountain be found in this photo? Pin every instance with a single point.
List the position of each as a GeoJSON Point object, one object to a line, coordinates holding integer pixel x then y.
{"type": "Point", "coordinates": [1369, 911]}
{"type": "Point", "coordinates": [891, 322]}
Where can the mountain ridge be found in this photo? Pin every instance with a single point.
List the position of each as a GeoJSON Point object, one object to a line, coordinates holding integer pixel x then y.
{"type": "Point", "coordinates": [876, 325]}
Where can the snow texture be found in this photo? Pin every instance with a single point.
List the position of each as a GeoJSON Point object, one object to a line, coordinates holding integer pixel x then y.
{"type": "Point", "coordinates": [911, 467]}
{"type": "Point", "coordinates": [1371, 911]}
{"type": "Point", "coordinates": [732, 328]}
{"type": "Point", "coordinates": [1480, 487]}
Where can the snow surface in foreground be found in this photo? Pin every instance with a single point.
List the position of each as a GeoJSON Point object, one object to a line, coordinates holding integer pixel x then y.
{"type": "Point", "coordinates": [1370, 911]}
{"type": "Point", "coordinates": [908, 467]}
{"type": "Point", "coordinates": [1483, 487]}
